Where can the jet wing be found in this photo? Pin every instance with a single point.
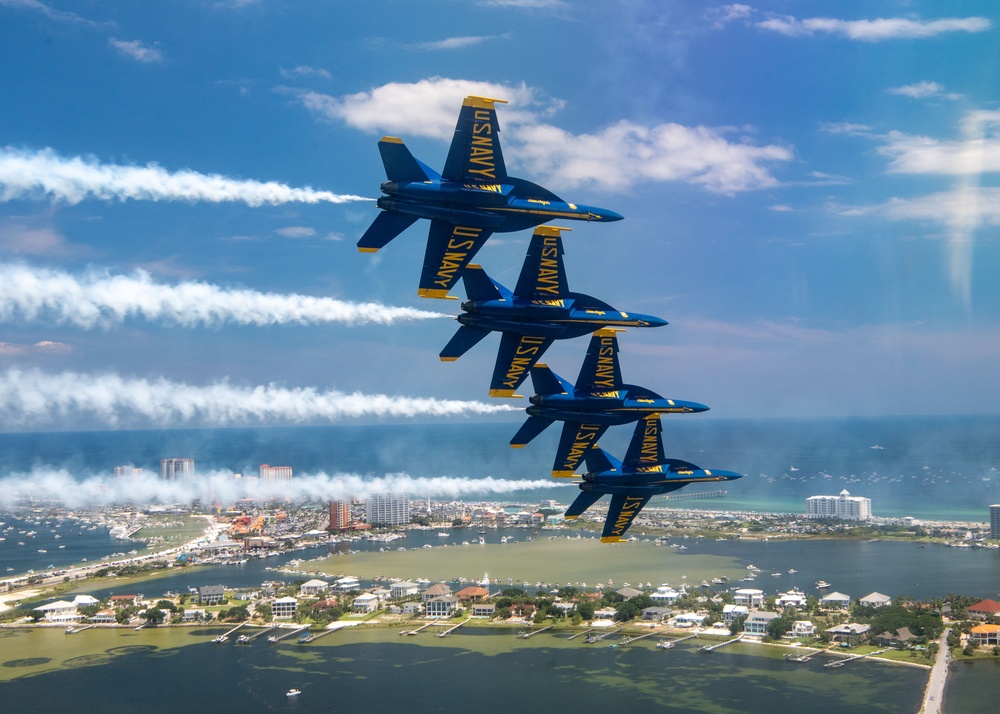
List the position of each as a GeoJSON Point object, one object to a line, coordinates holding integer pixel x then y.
{"type": "Point", "coordinates": [449, 250]}
{"type": "Point", "coordinates": [517, 355]}
{"type": "Point", "coordinates": [574, 443]}
{"type": "Point", "coordinates": [585, 500]}
{"type": "Point", "coordinates": [623, 510]}
{"type": "Point", "coordinates": [543, 276]}
{"type": "Point", "coordinates": [600, 371]}
{"type": "Point", "coordinates": [475, 156]}
{"type": "Point", "coordinates": [646, 447]}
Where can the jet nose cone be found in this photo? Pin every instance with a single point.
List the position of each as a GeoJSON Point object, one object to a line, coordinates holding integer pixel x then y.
{"type": "Point", "coordinates": [651, 321]}
{"type": "Point", "coordinates": [692, 407]}
{"type": "Point", "coordinates": [606, 216]}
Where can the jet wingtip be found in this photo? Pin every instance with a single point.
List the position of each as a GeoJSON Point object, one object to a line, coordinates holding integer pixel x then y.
{"type": "Point", "coordinates": [505, 394]}
{"type": "Point", "coordinates": [439, 294]}
{"type": "Point", "coordinates": [564, 474]}
{"type": "Point", "coordinates": [613, 539]}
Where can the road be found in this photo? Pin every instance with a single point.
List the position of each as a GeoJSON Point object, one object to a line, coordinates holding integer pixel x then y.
{"type": "Point", "coordinates": [939, 675]}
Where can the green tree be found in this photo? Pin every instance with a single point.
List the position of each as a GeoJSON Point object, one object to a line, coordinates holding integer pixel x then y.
{"type": "Point", "coordinates": [626, 611]}
{"type": "Point", "coordinates": [153, 616]}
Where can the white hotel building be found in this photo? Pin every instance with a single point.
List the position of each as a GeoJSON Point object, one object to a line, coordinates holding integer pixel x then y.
{"type": "Point", "coordinates": [845, 506]}
{"type": "Point", "coordinates": [388, 509]}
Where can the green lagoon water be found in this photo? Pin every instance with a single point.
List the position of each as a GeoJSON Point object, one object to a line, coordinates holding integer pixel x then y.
{"type": "Point", "coordinates": [171, 670]}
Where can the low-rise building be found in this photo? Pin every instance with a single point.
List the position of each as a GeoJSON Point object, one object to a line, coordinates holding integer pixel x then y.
{"type": "Point", "coordinates": [314, 588]}
{"type": "Point", "coordinates": [441, 606]}
{"type": "Point", "coordinates": [210, 594]}
{"type": "Point", "coordinates": [792, 598]}
{"type": "Point", "coordinates": [757, 622]}
{"type": "Point", "coordinates": [656, 613]}
{"type": "Point", "coordinates": [404, 588]}
{"type": "Point", "coordinates": [850, 633]}
{"type": "Point", "coordinates": [365, 603]}
{"type": "Point", "coordinates": [803, 628]}
{"type": "Point", "coordinates": [836, 601]}
{"type": "Point", "coordinates": [194, 614]}
{"type": "Point", "coordinates": [60, 611]}
{"type": "Point", "coordinates": [984, 609]}
{"type": "Point", "coordinates": [435, 590]}
{"type": "Point", "coordinates": [346, 584]}
{"type": "Point", "coordinates": [482, 609]}
{"type": "Point", "coordinates": [665, 595]}
{"type": "Point", "coordinates": [118, 601]}
{"type": "Point", "coordinates": [750, 597]}
{"type": "Point", "coordinates": [875, 600]}
{"type": "Point", "coordinates": [987, 634]}
{"type": "Point", "coordinates": [899, 638]}
{"type": "Point", "coordinates": [731, 612]}
{"type": "Point", "coordinates": [283, 608]}
{"type": "Point", "coordinates": [473, 593]}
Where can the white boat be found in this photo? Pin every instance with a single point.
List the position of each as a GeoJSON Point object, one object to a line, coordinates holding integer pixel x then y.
{"type": "Point", "coordinates": [293, 693]}
{"type": "Point", "coordinates": [822, 584]}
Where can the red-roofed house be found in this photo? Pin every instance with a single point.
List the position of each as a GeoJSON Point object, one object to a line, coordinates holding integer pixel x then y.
{"type": "Point", "coordinates": [985, 635]}
{"type": "Point", "coordinates": [984, 609]}
{"type": "Point", "coordinates": [473, 593]}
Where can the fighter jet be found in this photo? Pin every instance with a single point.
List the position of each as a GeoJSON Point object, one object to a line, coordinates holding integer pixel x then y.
{"type": "Point", "coordinates": [644, 473]}
{"type": "Point", "coordinates": [600, 399]}
{"type": "Point", "coordinates": [539, 311]}
{"type": "Point", "coordinates": [466, 203]}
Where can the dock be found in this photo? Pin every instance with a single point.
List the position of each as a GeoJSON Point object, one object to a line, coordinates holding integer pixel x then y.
{"type": "Point", "coordinates": [712, 648]}
{"type": "Point", "coordinates": [422, 627]}
{"type": "Point", "coordinates": [306, 639]}
{"type": "Point", "coordinates": [842, 662]}
{"type": "Point", "coordinates": [670, 644]}
{"type": "Point", "coordinates": [73, 631]}
{"type": "Point", "coordinates": [278, 638]}
{"type": "Point", "coordinates": [525, 635]}
{"type": "Point", "coordinates": [452, 628]}
{"type": "Point", "coordinates": [579, 634]}
{"type": "Point", "coordinates": [591, 638]}
{"type": "Point", "coordinates": [635, 638]}
{"type": "Point", "coordinates": [247, 639]}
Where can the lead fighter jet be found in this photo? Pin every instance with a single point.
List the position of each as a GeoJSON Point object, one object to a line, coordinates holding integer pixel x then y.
{"type": "Point", "coordinates": [466, 203]}
{"type": "Point", "coordinates": [598, 400]}
{"type": "Point", "coordinates": [645, 472]}
{"type": "Point", "coordinates": [539, 311]}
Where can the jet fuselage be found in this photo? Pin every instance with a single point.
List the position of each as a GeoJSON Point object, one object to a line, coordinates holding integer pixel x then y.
{"type": "Point", "coordinates": [612, 408]}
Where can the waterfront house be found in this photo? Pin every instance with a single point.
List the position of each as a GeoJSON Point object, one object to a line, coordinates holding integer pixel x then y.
{"type": "Point", "coordinates": [803, 628]}
{"type": "Point", "coordinates": [793, 598]}
{"type": "Point", "coordinates": [441, 606]}
{"type": "Point", "coordinates": [689, 619]}
{"type": "Point", "coordinates": [413, 608]}
{"type": "Point", "coordinates": [665, 595]}
{"type": "Point", "coordinates": [605, 613]}
{"type": "Point", "coordinates": [482, 609]}
{"type": "Point", "coordinates": [731, 613]}
{"type": "Point", "coordinates": [757, 622]}
{"type": "Point", "coordinates": [404, 588]}
{"type": "Point", "coordinates": [283, 608]}
{"type": "Point", "coordinates": [60, 611]}
{"type": "Point", "coordinates": [194, 614]}
{"type": "Point", "coordinates": [210, 594]}
{"type": "Point", "coordinates": [564, 607]}
{"type": "Point", "coordinates": [435, 590]}
{"type": "Point", "coordinates": [875, 600]}
{"type": "Point", "coordinates": [118, 601]}
{"type": "Point", "coordinates": [473, 593]}
{"type": "Point", "coordinates": [900, 638]}
{"type": "Point", "coordinates": [85, 600]}
{"type": "Point", "coordinates": [628, 592]}
{"type": "Point", "coordinates": [656, 614]}
{"type": "Point", "coordinates": [850, 633]}
{"type": "Point", "coordinates": [986, 634]}
{"type": "Point", "coordinates": [346, 584]}
{"type": "Point", "coordinates": [313, 588]}
{"type": "Point", "coordinates": [365, 603]}
{"type": "Point", "coordinates": [984, 609]}
{"type": "Point", "coordinates": [103, 617]}
{"type": "Point", "coordinates": [836, 601]}
{"type": "Point", "coordinates": [750, 597]}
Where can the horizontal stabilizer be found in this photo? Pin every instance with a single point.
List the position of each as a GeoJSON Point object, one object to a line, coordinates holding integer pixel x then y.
{"type": "Point", "coordinates": [531, 428]}
{"type": "Point", "coordinates": [400, 165]}
{"type": "Point", "coordinates": [585, 500]}
{"type": "Point", "coordinates": [600, 461]}
{"type": "Point", "coordinates": [479, 287]}
{"type": "Point", "coordinates": [464, 339]}
{"type": "Point", "coordinates": [545, 381]}
{"type": "Point", "coordinates": [383, 229]}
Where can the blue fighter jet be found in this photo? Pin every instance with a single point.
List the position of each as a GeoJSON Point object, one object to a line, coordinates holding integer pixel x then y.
{"type": "Point", "coordinates": [539, 311]}
{"type": "Point", "coordinates": [600, 399]}
{"type": "Point", "coordinates": [466, 203]}
{"type": "Point", "coordinates": [645, 472]}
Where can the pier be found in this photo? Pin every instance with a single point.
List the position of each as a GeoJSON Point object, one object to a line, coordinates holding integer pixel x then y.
{"type": "Point", "coordinates": [247, 639]}
{"type": "Point", "coordinates": [670, 644]}
{"type": "Point", "coordinates": [305, 639]}
{"type": "Point", "coordinates": [578, 634]}
{"type": "Point", "coordinates": [712, 648]}
{"type": "Point", "coordinates": [590, 639]}
{"type": "Point", "coordinates": [72, 631]}
{"type": "Point", "coordinates": [635, 638]}
{"type": "Point", "coordinates": [452, 629]}
{"type": "Point", "coordinates": [525, 635]}
{"type": "Point", "coordinates": [278, 638]}
{"type": "Point", "coordinates": [842, 662]}
{"type": "Point", "coordinates": [422, 627]}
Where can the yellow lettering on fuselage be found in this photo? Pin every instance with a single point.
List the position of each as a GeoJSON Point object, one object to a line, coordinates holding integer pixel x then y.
{"type": "Point", "coordinates": [527, 350]}
{"type": "Point", "coordinates": [481, 148]}
{"type": "Point", "coordinates": [456, 254]}
{"type": "Point", "coordinates": [492, 187]}
{"type": "Point", "coordinates": [549, 303]}
{"type": "Point", "coordinates": [625, 516]}
{"type": "Point", "coordinates": [586, 434]}
{"type": "Point", "coordinates": [605, 374]}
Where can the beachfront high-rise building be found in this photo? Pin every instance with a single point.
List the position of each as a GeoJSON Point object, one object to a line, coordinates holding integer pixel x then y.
{"type": "Point", "coordinates": [388, 509]}
{"type": "Point", "coordinates": [995, 521]}
{"type": "Point", "coordinates": [340, 515]}
{"type": "Point", "coordinates": [844, 506]}
{"type": "Point", "coordinates": [275, 473]}
{"type": "Point", "coordinates": [127, 470]}
{"type": "Point", "coordinates": [174, 469]}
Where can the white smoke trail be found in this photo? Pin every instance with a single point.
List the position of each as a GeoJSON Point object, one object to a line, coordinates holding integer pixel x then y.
{"type": "Point", "coordinates": [48, 484]}
{"type": "Point", "coordinates": [45, 174]}
{"type": "Point", "coordinates": [31, 397]}
{"type": "Point", "coordinates": [102, 300]}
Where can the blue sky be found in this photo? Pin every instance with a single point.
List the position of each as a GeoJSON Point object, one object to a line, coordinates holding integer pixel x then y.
{"type": "Point", "coordinates": [809, 190]}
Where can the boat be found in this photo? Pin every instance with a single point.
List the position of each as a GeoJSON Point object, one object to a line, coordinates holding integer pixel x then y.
{"type": "Point", "coordinates": [443, 535]}
{"type": "Point", "coordinates": [665, 645]}
{"type": "Point", "coordinates": [293, 692]}
{"type": "Point", "coordinates": [822, 584]}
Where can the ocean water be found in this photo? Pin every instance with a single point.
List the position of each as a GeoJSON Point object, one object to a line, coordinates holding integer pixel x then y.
{"type": "Point", "coordinates": [926, 467]}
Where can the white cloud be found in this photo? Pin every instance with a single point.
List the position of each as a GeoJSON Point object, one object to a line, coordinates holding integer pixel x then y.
{"type": "Point", "coordinates": [875, 30]}
{"type": "Point", "coordinates": [31, 397]}
{"type": "Point", "coordinates": [134, 49]}
{"type": "Point", "coordinates": [304, 72]}
{"type": "Point", "coordinates": [977, 152]}
{"type": "Point", "coordinates": [923, 90]}
{"type": "Point", "coordinates": [616, 157]}
{"type": "Point", "coordinates": [43, 174]}
{"type": "Point", "coordinates": [296, 232]}
{"type": "Point", "coordinates": [21, 237]}
{"type": "Point", "coordinates": [98, 299]}
{"type": "Point", "coordinates": [9, 349]}
{"type": "Point", "coordinates": [49, 12]}
{"type": "Point", "coordinates": [722, 16]}
{"type": "Point", "coordinates": [452, 43]}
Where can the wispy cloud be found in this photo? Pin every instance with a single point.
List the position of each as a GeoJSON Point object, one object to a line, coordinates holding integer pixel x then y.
{"type": "Point", "coordinates": [722, 16]}
{"type": "Point", "coordinates": [32, 237]}
{"type": "Point", "coordinates": [977, 152]}
{"type": "Point", "coordinates": [296, 232]}
{"type": "Point", "coordinates": [924, 90]}
{"type": "Point", "coordinates": [452, 43]}
{"type": "Point", "coordinates": [10, 349]}
{"type": "Point", "coordinates": [99, 300]}
{"type": "Point", "coordinates": [33, 175]}
{"type": "Point", "coordinates": [615, 157]}
{"type": "Point", "coordinates": [305, 72]}
{"type": "Point", "coordinates": [134, 49]}
{"type": "Point", "coordinates": [49, 12]}
{"type": "Point", "coordinates": [77, 490]}
{"type": "Point", "coordinates": [876, 30]}
{"type": "Point", "coordinates": [31, 397]}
